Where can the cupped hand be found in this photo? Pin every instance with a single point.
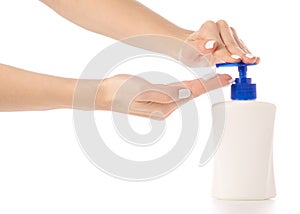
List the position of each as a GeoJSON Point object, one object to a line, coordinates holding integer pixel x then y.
{"type": "Point", "coordinates": [217, 39]}
{"type": "Point", "coordinates": [134, 95]}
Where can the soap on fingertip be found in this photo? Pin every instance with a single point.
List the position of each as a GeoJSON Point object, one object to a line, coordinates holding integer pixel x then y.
{"type": "Point", "coordinates": [184, 93]}
{"type": "Point", "coordinates": [235, 56]}
{"type": "Point", "coordinates": [210, 44]}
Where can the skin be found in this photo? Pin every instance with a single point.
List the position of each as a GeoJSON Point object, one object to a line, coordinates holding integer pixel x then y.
{"type": "Point", "coordinates": [120, 19]}
{"type": "Point", "coordinates": [22, 90]}
{"type": "Point", "coordinates": [25, 90]}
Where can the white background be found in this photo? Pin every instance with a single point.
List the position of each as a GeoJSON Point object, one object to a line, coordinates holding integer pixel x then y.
{"type": "Point", "coordinates": [42, 168]}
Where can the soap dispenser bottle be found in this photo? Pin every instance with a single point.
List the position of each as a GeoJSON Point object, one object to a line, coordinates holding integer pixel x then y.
{"type": "Point", "coordinates": [243, 162]}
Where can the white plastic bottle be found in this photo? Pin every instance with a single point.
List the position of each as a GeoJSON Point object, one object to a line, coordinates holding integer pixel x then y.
{"type": "Point", "coordinates": [243, 163]}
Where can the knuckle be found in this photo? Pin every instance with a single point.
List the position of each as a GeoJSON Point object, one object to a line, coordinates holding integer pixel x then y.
{"type": "Point", "coordinates": [209, 22]}
{"type": "Point", "coordinates": [207, 25]}
{"type": "Point", "coordinates": [222, 22]}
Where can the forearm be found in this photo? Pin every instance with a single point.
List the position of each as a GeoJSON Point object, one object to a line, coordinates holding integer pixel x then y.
{"type": "Point", "coordinates": [119, 19]}
{"type": "Point", "coordinates": [22, 90]}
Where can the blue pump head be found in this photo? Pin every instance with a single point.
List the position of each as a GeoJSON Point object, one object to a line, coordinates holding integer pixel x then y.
{"type": "Point", "coordinates": [242, 89]}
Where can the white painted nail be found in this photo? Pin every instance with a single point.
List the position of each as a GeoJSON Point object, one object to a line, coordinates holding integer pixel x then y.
{"type": "Point", "coordinates": [235, 56]}
{"type": "Point", "coordinates": [209, 76]}
{"type": "Point", "coordinates": [210, 44]}
{"type": "Point", "coordinates": [184, 93]}
{"type": "Point", "coordinates": [231, 81]}
{"type": "Point", "coordinates": [250, 56]}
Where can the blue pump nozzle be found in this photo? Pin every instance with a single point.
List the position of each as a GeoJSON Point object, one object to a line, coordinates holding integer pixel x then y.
{"type": "Point", "coordinates": [243, 89]}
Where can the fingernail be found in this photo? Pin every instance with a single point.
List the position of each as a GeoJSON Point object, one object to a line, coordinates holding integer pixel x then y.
{"type": "Point", "coordinates": [235, 56]}
{"type": "Point", "coordinates": [210, 44]}
{"type": "Point", "coordinates": [184, 93]}
{"type": "Point", "coordinates": [231, 81]}
{"type": "Point", "coordinates": [250, 56]}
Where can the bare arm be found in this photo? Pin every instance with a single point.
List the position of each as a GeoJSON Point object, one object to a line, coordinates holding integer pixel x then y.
{"type": "Point", "coordinates": [120, 19]}
{"type": "Point", "coordinates": [22, 90]}
{"type": "Point", "coordinates": [117, 19]}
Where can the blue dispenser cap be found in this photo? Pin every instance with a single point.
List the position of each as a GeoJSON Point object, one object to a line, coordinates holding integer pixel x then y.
{"type": "Point", "coordinates": [242, 89]}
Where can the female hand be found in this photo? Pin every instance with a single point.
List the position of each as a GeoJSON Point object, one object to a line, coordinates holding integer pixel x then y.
{"type": "Point", "coordinates": [218, 39]}
{"type": "Point", "coordinates": [22, 90]}
{"type": "Point", "coordinates": [134, 95]}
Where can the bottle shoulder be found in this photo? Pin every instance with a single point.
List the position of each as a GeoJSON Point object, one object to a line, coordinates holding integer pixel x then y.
{"type": "Point", "coordinates": [243, 103]}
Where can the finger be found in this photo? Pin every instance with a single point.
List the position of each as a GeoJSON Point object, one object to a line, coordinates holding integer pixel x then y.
{"type": "Point", "coordinates": [183, 91]}
{"type": "Point", "coordinates": [229, 40]}
{"type": "Point", "coordinates": [201, 86]}
{"type": "Point", "coordinates": [160, 111]}
{"type": "Point", "coordinates": [210, 31]}
{"type": "Point", "coordinates": [247, 57]}
{"type": "Point", "coordinates": [206, 39]}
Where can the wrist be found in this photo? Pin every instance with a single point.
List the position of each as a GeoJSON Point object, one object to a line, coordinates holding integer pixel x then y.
{"type": "Point", "coordinates": [90, 95]}
{"type": "Point", "coordinates": [182, 34]}
{"type": "Point", "coordinates": [179, 36]}
{"type": "Point", "coordinates": [63, 92]}
{"type": "Point", "coordinates": [103, 98]}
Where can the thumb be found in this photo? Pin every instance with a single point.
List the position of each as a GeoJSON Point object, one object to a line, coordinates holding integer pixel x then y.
{"type": "Point", "coordinates": [204, 45]}
{"type": "Point", "coordinates": [207, 46]}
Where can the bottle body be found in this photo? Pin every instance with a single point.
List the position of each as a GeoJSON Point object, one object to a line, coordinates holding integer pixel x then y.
{"type": "Point", "coordinates": [243, 163]}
